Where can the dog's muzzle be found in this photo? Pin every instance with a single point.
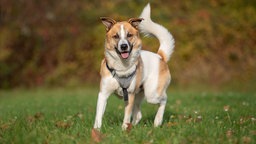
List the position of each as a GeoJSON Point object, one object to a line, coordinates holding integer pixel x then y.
{"type": "Point", "coordinates": [125, 52]}
{"type": "Point", "coordinates": [124, 49]}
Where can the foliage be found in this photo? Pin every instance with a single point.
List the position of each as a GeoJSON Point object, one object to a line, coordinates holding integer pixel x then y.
{"type": "Point", "coordinates": [59, 43]}
{"type": "Point", "coordinates": [67, 116]}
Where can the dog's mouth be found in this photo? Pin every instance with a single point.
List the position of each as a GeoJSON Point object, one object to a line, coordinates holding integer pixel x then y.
{"type": "Point", "coordinates": [125, 54]}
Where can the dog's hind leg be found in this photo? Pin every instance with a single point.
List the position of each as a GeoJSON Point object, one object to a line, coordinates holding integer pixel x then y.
{"type": "Point", "coordinates": [159, 115]}
{"type": "Point", "coordinates": [136, 115]}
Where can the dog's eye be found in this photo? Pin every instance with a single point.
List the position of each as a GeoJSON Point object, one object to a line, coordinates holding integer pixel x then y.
{"type": "Point", "coordinates": [116, 36]}
{"type": "Point", "coordinates": [129, 35]}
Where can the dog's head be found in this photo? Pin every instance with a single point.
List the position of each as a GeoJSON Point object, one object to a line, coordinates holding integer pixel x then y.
{"type": "Point", "coordinates": [122, 37]}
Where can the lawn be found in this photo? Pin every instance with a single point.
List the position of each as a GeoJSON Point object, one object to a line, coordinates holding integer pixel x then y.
{"type": "Point", "coordinates": [67, 116]}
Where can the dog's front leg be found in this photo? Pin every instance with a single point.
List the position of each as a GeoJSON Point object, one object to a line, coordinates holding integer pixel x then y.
{"type": "Point", "coordinates": [101, 106]}
{"type": "Point", "coordinates": [128, 111]}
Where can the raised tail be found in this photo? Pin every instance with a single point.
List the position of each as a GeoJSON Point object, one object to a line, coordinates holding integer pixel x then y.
{"type": "Point", "coordinates": [148, 27]}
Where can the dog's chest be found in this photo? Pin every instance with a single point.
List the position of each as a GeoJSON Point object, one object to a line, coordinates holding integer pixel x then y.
{"type": "Point", "coordinates": [131, 89]}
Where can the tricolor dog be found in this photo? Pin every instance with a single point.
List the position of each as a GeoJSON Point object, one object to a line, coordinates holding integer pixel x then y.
{"type": "Point", "coordinates": [134, 74]}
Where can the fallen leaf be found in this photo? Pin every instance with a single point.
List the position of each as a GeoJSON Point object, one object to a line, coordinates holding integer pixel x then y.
{"type": "Point", "coordinates": [62, 124]}
{"type": "Point", "coordinates": [5, 126]}
{"type": "Point", "coordinates": [198, 119]}
{"type": "Point", "coordinates": [182, 117]}
{"type": "Point", "coordinates": [246, 140]}
{"type": "Point", "coordinates": [39, 116]}
{"type": "Point", "coordinates": [226, 108]}
{"type": "Point", "coordinates": [253, 132]}
{"type": "Point", "coordinates": [189, 120]}
{"type": "Point", "coordinates": [30, 119]}
{"type": "Point", "coordinates": [171, 124]}
{"type": "Point", "coordinates": [96, 136]}
{"type": "Point", "coordinates": [79, 115]}
{"type": "Point", "coordinates": [229, 133]}
{"type": "Point", "coordinates": [129, 127]}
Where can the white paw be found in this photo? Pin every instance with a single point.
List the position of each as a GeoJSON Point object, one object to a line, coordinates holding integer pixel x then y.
{"type": "Point", "coordinates": [124, 126]}
{"type": "Point", "coordinates": [137, 118]}
{"type": "Point", "coordinates": [157, 122]}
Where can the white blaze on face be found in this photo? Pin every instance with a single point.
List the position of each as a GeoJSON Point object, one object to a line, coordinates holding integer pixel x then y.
{"type": "Point", "coordinates": [122, 33]}
{"type": "Point", "coordinates": [123, 40]}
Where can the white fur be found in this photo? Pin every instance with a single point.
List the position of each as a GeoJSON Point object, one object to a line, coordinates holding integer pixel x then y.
{"type": "Point", "coordinates": [151, 72]}
{"type": "Point", "coordinates": [148, 27]}
{"type": "Point", "coordinates": [123, 39]}
{"type": "Point", "coordinates": [108, 85]}
{"type": "Point", "coordinates": [122, 32]}
{"type": "Point", "coordinates": [122, 68]}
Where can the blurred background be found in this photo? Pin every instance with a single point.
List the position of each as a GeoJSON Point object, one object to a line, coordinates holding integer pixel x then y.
{"type": "Point", "coordinates": [60, 43]}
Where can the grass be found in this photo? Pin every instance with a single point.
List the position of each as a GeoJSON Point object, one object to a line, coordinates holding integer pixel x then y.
{"type": "Point", "coordinates": [67, 116]}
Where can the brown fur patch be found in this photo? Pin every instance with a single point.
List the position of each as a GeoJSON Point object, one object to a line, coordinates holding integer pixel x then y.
{"type": "Point", "coordinates": [164, 77]}
{"type": "Point", "coordinates": [104, 72]}
{"type": "Point", "coordinates": [129, 106]}
{"type": "Point", "coordinates": [139, 74]}
{"type": "Point", "coordinates": [162, 54]}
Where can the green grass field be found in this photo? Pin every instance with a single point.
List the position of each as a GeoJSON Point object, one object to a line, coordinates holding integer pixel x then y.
{"type": "Point", "coordinates": [67, 116]}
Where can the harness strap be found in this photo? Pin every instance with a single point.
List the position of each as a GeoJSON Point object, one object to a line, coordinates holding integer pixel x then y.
{"type": "Point", "coordinates": [125, 92]}
{"type": "Point", "coordinates": [124, 82]}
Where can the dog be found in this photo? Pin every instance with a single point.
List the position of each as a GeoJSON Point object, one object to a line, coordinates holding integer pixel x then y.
{"type": "Point", "coordinates": [132, 73]}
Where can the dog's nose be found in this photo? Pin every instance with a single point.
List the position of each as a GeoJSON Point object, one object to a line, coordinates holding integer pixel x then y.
{"type": "Point", "coordinates": [124, 46]}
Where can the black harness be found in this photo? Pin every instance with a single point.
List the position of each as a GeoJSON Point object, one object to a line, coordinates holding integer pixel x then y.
{"type": "Point", "coordinates": [124, 81]}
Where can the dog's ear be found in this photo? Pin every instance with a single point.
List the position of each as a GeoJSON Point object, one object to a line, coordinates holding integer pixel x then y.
{"type": "Point", "coordinates": [135, 22]}
{"type": "Point", "coordinates": [108, 22]}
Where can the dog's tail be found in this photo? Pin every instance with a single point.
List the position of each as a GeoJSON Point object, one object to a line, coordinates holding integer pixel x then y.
{"type": "Point", "coordinates": [148, 27]}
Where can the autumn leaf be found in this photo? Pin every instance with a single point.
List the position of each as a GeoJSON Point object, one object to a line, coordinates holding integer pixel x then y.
{"type": "Point", "coordinates": [198, 119]}
{"type": "Point", "coordinates": [226, 108]}
{"type": "Point", "coordinates": [171, 124]}
{"type": "Point", "coordinates": [189, 120]}
{"type": "Point", "coordinates": [96, 136]}
{"type": "Point", "coordinates": [182, 117]}
{"type": "Point", "coordinates": [79, 115]}
{"type": "Point", "coordinates": [246, 139]}
{"type": "Point", "coordinates": [62, 124]}
{"type": "Point", "coordinates": [30, 119]}
{"type": "Point", "coordinates": [229, 133]}
{"type": "Point", "coordinates": [39, 116]}
{"type": "Point", "coordinates": [129, 127]}
{"type": "Point", "coordinates": [253, 132]}
{"type": "Point", "coordinates": [5, 126]}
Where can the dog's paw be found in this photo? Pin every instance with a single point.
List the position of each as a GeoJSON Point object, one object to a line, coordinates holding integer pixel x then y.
{"type": "Point", "coordinates": [137, 118]}
{"type": "Point", "coordinates": [124, 126]}
{"type": "Point", "coordinates": [157, 122]}
{"type": "Point", "coordinates": [96, 135]}
{"type": "Point", "coordinates": [127, 127]}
